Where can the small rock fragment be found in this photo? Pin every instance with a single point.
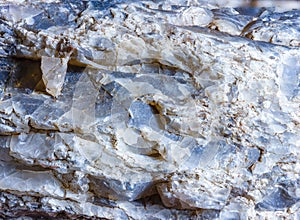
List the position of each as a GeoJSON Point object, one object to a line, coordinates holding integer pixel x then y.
{"type": "Point", "coordinates": [54, 72]}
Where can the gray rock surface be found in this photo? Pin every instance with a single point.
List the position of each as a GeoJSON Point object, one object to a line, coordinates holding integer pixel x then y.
{"type": "Point", "coordinates": [149, 110]}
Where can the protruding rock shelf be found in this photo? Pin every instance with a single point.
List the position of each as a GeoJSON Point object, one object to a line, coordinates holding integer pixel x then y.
{"type": "Point", "coordinates": [149, 110]}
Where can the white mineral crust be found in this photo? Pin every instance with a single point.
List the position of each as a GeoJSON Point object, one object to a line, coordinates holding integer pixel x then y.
{"type": "Point", "coordinates": [149, 110]}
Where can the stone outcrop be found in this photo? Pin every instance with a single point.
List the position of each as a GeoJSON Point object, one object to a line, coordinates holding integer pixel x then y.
{"type": "Point", "coordinates": [149, 110]}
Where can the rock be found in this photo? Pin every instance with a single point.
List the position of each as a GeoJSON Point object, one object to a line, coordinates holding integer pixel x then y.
{"type": "Point", "coordinates": [148, 110]}
{"type": "Point", "coordinates": [54, 72]}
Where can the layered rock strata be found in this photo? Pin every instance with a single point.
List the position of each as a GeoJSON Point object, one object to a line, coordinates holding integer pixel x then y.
{"type": "Point", "coordinates": [149, 110]}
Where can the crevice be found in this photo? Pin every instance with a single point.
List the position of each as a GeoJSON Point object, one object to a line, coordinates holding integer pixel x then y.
{"type": "Point", "coordinates": [27, 76]}
{"type": "Point", "coordinates": [261, 154]}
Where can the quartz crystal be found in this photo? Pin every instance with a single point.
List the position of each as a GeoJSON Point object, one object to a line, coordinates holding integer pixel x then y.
{"type": "Point", "coordinates": [149, 110]}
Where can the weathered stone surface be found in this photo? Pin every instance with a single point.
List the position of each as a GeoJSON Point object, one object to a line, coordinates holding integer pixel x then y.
{"type": "Point", "coordinates": [149, 110]}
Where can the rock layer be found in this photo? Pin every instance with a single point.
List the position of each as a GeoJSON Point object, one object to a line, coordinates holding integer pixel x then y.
{"type": "Point", "coordinates": [149, 110]}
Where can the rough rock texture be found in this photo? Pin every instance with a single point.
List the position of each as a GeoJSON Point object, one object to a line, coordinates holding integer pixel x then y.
{"type": "Point", "coordinates": [149, 110]}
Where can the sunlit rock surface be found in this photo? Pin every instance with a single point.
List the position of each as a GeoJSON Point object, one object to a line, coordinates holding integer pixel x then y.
{"type": "Point", "coordinates": [149, 110]}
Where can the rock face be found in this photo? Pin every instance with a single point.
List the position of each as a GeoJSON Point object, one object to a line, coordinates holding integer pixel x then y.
{"type": "Point", "coordinates": [149, 110]}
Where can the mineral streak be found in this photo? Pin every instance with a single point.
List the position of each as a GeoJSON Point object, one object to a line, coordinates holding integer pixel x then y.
{"type": "Point", "coordinates": [149, 110]}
